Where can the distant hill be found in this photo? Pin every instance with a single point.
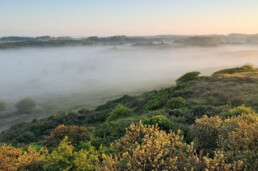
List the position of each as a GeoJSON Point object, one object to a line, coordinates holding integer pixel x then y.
{"type": "Point", "coordinates": [198, 40]}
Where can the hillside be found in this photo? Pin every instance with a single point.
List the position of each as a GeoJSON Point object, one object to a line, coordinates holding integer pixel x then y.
{"type": "Point", "coordinates": [208, 95]}
{"type": "Point", "coordinates": [228, 92]}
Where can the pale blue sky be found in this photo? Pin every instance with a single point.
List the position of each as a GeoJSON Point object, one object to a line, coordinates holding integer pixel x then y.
{"type": "Point", "coordinates": [131, 17]}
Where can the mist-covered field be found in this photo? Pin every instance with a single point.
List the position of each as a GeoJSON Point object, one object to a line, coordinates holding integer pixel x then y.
{"type": "Point", "coordinates": [71, 77]}
{"type": "Point", "coordinates": [51, 71]}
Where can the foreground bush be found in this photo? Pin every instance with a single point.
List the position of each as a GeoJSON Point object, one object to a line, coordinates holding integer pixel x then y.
{"type": "Point", "coordinates": [65, 158]}
{"type": "Point", "coordinates": [12, 158]}
{"type": "Point", "coordinates": [148, 148]}
{"type": "Point", "coordinates": [206, 131]}
{"type": "Point", "coordinates": [236, 137]}
{"type": "Point", "coordinates": [142, 148]}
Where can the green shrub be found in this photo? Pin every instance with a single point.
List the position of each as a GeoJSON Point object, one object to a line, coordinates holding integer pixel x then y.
{"type": "Point", "coordinates": [26, 105]}
{"type": "Point", "coordinates": [190, 76]}
{"type": "Point", "coordinates": [175, 103]}
{"type": "Point", "coordinates": [163, 122]}
{"type": "Point", "coordinates": [159, 99]}
{"type": "Point", "coordinates": [237, 111]}
{"type": "Point", "coordinates": [82, 111]}
{"type": "Point", "coordinates": [25, 138]}
{"type": "Point", "coordinates": [156, 103]}
{"type": "Point", "coordinates": [109, 132]}
{"type": "Point", "coordinates": [119, 112]}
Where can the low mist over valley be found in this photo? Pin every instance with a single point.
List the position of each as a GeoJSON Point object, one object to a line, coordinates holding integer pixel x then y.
{"type": "Point", "coordinates": [43, 72]}
{"type": "Point", "coordinates": [62, 78]}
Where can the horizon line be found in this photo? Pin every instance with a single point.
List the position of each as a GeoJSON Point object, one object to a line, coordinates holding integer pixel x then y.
{"type": "Point", "coordinates": [210, 34]}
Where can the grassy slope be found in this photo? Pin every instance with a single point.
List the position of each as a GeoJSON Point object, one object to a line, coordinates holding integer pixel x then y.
{"type": "Point", "coordinates": [209, 95]}
{"type": "Point", "coordinates": [59, 103]}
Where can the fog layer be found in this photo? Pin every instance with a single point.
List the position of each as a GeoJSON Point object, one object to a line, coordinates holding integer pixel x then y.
{"type": "Point", "coordinates": [47, 71]}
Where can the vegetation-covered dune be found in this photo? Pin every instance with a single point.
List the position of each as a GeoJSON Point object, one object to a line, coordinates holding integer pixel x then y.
{"type": "Point", "coordinates": [203, 122]}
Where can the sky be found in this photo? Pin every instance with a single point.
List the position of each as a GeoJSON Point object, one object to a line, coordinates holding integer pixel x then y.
{"type": "Point", "coordinates": [127, 17]}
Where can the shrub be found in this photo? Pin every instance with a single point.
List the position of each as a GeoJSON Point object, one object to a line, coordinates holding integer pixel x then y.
{"type": "Point", "coordinates": [26, 105]}
{"type": "Point", "coordinates": [110, 131]}
{"type": "Point", "coordinates": [205, 132]}
{"type": "Point", "coordinates": [82, 111]}
{"type": "Point", "coordinates": [237, 111]}
{"type": "Point", "coordinates": [12, 158]}
{"type": "Point", "coordinates": [175, 103]}
{"type": "Point", "coordinates": [156, 103]}
{"type": "Point", "coordinates": [65, 158]}
{"type": "Point", "coordinates": [2, 105]}
{"type": "Point", "coordinates": [190, 76]}
{"type": "Point", "coordinates": [209, 110]}
{"type": "Point", "coordinates": [238, 139]}
{"type": "Point", "coordinates": [75, 134]}
{"type": "Point", "coordinates": [163, 122]}
{"type": "Point", "coordinates": [119, 112]}
{"type": "Point", "coordinates": [25, 138]}
{"type": "Point", "coordinates": [148, 148]}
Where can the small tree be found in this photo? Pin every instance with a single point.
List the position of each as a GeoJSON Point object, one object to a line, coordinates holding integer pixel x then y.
{"type": "Point", "coordinates": [26, 105]}
{"type": "Point", "coordinates": [2, 105]}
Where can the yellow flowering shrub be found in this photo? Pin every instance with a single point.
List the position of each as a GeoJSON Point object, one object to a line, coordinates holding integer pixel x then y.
{"type": "Point", "coordinates": [218, 163]}
{"type": "Point", "coordinates": [145, 147]}
{"type": "Point", "coordinates": [65, 158]}
{"type": "Point", "coordinates": [206, 132]}
{"type": "Point", "coordinates": [12, 158]}
{"type": "Point", "coordinates": [86, 159]}
{"type": "Point", "coordinates": [235, 137]}
{"type": "Point", "coordinates": [238, 138]}
{"type": "Point", "coordinates": [237, 111]}
{"type": "Point", "coordinates": [9, 157]}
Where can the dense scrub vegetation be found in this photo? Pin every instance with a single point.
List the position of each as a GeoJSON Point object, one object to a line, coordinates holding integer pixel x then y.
{"type": "Point", "coordinates": [202, 123]}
